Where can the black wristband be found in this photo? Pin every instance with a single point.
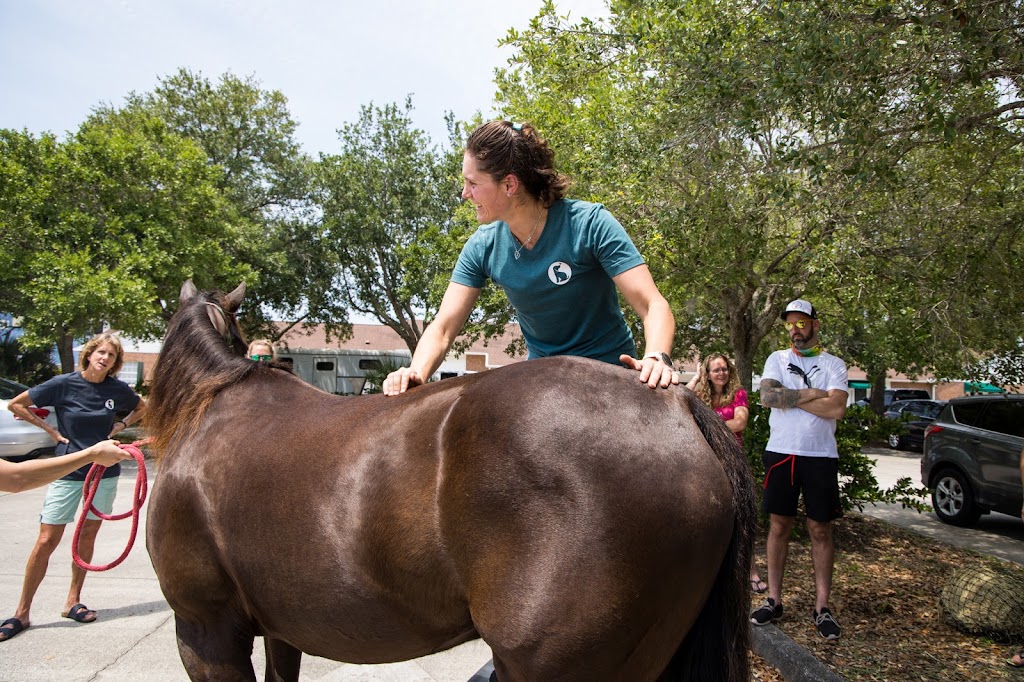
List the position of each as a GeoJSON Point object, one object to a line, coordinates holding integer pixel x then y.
{"type": "Point", "coordinates": [121, 421]}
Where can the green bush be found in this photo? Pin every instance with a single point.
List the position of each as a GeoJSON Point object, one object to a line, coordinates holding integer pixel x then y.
{"type": "Point", "coordinates": [857, 483]}
{"type": "Point", "coordinates": [30, 367]}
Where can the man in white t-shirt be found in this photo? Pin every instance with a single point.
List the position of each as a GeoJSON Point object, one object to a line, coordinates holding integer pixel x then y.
{"type": "Point", "coordinates": [807, 390]}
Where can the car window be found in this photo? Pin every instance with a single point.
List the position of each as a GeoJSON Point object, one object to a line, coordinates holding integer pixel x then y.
{"type": "Point", "coordinates": [969, 413]}
{"type": "Point", "coordinates": [931, 410]}
{"type": "Point", "coordinates": [1004, 417]}
{"type": "Point", "coordinates": [10, 389]}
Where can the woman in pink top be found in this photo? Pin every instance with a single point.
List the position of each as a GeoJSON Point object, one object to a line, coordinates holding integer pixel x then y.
{"type": "Point", "coordinates": [718, 385]}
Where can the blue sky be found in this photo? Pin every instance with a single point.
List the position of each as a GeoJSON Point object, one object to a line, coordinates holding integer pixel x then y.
{"type": "Point", "coordinates": [60, 58]}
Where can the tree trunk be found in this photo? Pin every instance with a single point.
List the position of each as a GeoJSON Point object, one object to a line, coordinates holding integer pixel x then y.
{"type": "Point", "coordinates": [877, 379]}
{"type": "Point", "coordinates": [65, 349]}
{"type": "Point", "coordinates": [750, 321]}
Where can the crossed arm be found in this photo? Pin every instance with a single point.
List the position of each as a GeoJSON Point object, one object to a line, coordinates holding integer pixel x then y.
{"type": "Point", "coordinates": [829, 404]}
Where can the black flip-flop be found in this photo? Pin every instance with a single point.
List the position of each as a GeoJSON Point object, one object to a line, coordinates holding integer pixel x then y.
{"type": "Point", "coordinates": [755, 585]}
{"type": "Point", "coordinates": [80, 613]}
{"type": "Point", "coordinates": [11, 628]}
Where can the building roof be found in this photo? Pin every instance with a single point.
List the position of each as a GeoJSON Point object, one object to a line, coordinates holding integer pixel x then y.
{"type": "Point", "coordinates": [382, 337]}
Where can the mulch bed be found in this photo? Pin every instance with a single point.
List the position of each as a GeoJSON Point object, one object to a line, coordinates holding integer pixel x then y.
{"type": "Point", "coordinates": [885, 594]}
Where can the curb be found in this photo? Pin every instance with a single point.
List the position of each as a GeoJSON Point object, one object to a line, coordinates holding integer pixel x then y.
{"type": "Point", "coordinates": [794, 663]}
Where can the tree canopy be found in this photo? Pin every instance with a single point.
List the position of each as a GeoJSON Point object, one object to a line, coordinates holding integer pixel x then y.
{"type": "Point", "coordinates": [863, 155]}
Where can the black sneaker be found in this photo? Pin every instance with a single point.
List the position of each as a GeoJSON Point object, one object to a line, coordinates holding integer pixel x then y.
{"type": "Point", "coordinates": [826, 623]}
{"type": "Point", "coordinates": [766, 613]}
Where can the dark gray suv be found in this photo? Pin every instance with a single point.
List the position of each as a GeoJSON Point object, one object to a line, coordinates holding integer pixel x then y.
{"type": "Point", "coordinates": [972, 456]}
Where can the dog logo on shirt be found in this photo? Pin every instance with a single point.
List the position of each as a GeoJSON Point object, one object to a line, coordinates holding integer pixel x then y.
{"type": "Point", "coordinates": [109, 403]}
{"type": "Point", "coordinates": [559, 272]}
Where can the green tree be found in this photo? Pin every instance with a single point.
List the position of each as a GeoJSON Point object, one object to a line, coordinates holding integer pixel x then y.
{"type": "Point", "coordinates": [388, 201]}
{"type": "Point", "coordinates": [763, 151]}
{"type": "Point", "coordinates": [117, 217]}
{"type": "Point", "coordinates": [248, 134]}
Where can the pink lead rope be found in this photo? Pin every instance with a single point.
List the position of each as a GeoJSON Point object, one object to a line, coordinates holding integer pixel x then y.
{"type": "Point", "coordinates": [91, 485]}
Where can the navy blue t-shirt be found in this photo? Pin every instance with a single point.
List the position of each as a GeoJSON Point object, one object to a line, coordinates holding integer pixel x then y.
{"type": "Point", "coordinates": [85, 412]}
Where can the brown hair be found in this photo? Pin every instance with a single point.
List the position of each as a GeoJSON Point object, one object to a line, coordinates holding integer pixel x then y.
{"type": "Point", "coordinates": [504, 148]}
{"type": "Point", "coordinates": [705, 390]}
{"type": "Point", "coordinates": [94, 343]}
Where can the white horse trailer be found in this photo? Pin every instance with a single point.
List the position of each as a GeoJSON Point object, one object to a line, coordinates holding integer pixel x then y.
{"type": "Point", "coordinates": [340, 371]}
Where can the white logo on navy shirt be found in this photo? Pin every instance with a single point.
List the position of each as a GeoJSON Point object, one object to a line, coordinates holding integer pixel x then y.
{"type": "Point", "coordinates": [109, 403]}
{"type": "Point", "coordinates": [559, 272]}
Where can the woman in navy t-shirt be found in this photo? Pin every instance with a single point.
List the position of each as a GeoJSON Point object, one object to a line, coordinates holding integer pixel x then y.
{"type": "Point", "coordinates": [87, 403]}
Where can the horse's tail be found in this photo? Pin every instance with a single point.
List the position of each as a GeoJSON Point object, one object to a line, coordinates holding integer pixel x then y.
{"type": "Point", "coordinates": [716, 648]}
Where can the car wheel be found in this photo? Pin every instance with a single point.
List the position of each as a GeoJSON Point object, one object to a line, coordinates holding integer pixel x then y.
{"type": "Point", "coordinates": [953, 499]}
{"type": "Point", "coordinates": [894, 441]}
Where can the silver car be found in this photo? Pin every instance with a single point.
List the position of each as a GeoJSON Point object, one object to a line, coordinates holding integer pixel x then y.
{"type": "Point", "coordinates": [20, 440]}
{"type": "Point", "coordinates": [972, 458]}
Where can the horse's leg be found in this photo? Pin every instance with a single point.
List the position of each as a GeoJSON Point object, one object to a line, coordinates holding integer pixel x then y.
{"type": "Point", "coordinates": [218, 650]}
{"type": "Point", "coordinates": [282, 661]}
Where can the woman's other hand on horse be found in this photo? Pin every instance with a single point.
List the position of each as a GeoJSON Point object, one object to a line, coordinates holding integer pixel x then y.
{"type": "Point", "coordinates": [653, 371]}
{"type": "Point", "coordinates": [400, 380]}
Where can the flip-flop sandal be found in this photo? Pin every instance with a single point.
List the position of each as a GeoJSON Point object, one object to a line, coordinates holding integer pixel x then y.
{"type": "Point", "coordinates": [758, 586]}
{"type": "Point", "coordinates": [10, 628]}
{"type": "Point", "coordinates": [80, 613]}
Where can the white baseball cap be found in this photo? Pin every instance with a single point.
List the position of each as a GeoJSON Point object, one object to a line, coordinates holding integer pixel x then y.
{"type": "Point", "coordinates": [799, 306]}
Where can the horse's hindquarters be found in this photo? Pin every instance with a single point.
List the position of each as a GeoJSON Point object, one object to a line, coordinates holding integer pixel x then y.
{"type": "Point", "coordinates": [588, 547]}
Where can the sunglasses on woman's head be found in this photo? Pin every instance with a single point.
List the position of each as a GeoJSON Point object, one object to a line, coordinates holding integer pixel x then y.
{"type": "Point", "coordinates": [265, 358]}
{"type": "Point", "coordinates": [799, 324]}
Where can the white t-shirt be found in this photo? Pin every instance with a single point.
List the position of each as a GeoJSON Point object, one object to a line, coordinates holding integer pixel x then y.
{"type": "Point", "coordinates": [795, 431]}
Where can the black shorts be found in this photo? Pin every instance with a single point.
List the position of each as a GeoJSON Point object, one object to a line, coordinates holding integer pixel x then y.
{"type": "Point", "coordinates": [786, 476]}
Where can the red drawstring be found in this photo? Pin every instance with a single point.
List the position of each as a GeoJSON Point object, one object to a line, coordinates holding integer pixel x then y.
{"type": "Point", "coordinates": [792, 469]}
{"type": "Point", "coordinates": [91, 485]}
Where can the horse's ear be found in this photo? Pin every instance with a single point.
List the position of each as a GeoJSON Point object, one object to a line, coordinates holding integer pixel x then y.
{"type": "Point", "coordinates": [234, 299]}
{"type": "Point", "coordinates": [188, 290]}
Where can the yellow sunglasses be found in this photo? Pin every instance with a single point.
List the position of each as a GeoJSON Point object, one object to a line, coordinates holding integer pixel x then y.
{"type": "Point", "coordinates": [799, 324]}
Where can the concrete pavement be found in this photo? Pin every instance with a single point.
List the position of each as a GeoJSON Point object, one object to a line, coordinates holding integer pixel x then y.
{"type": "Point", "coordinates": [995, 534]}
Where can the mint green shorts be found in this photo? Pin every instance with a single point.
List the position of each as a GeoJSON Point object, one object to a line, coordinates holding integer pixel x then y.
{"type": "Point", "coordinates": [63, 498]}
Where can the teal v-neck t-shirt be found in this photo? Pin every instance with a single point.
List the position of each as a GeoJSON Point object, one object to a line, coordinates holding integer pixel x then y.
{"type": "Point", "coordinates": [562, 289]}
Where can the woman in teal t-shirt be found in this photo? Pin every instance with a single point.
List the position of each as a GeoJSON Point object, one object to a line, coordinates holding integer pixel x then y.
{"type": "Point", "coordinates": [560, 262]}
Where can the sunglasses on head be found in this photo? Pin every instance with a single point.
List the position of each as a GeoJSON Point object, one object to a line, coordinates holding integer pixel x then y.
{"type": "Point", "coordinates": [799, 324]}
{"type": "Point", "coordinates": [265, 358]}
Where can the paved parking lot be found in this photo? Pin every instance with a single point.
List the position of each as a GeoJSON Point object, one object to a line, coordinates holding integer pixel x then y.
{"type": "Point", "coordinates": [995, 534]}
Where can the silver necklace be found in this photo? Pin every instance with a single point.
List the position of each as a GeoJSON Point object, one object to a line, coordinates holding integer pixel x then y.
{"type": "Point", "coordinates": [528, 239]}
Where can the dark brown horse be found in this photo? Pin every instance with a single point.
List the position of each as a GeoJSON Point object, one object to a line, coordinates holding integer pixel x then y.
{"type": "Point", "coordinates": [585, 526]}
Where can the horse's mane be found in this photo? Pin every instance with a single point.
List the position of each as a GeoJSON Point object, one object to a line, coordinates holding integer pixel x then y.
{"type": "Point", "coordinates": [194, 365]}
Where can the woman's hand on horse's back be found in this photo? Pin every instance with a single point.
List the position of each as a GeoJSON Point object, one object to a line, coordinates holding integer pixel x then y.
{"type": "Point", "coordinates": [653, 372]}
{"type": "Point", "coordinates": [400, 380]}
